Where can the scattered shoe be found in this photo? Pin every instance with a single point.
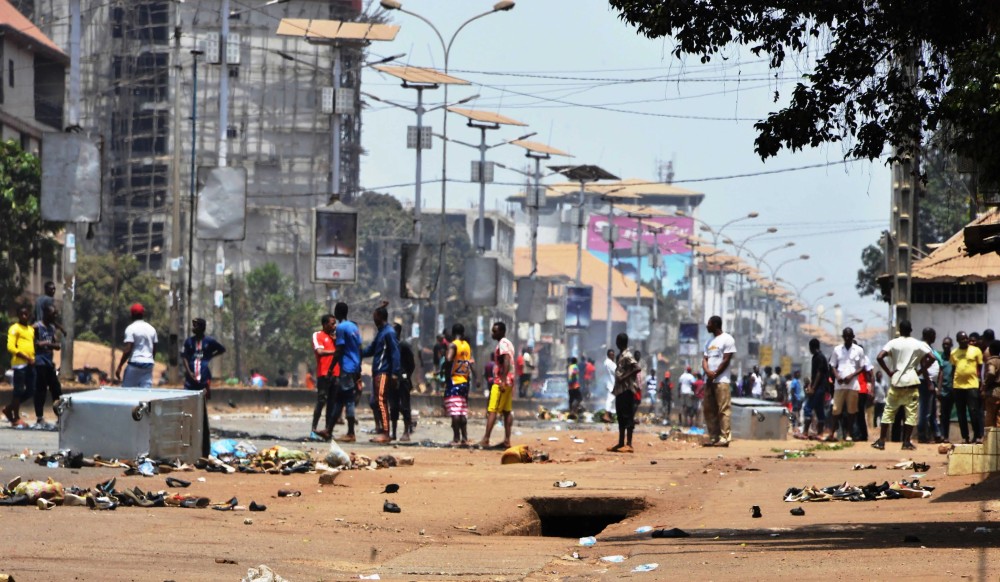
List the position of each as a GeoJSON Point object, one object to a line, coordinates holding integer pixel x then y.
{"type": "Point", "coordinates": [390, 507]}
{"type": "Point", "coordinates": [878, 445]}
{"type": "Point", "coordinates": [44, 504]}
{"type": "Point", "coordinates": [196, 502]}
{"type": "Point", "coordinates": [291, 493]}
{"type": "Point", "coordinates": [755, 511]}
{"type": "Point", "coordinates": [254, 506]}
{"type": "Point", "coordinates": [391, 488]}
{"type": "Point", "coordinates": [798, 511]}
{"type": "Point", "coordinates": [174, 482]}
{"type": "Point", "coordinates": [73, 500]}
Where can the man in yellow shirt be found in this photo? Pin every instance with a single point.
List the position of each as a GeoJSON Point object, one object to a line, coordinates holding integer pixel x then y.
{"type": "Point", "coordinates": [967, 362]}
{"type": "Point", "coordinates": [456, 394]}
{"type": "Point", "coordinates": [21, 345]}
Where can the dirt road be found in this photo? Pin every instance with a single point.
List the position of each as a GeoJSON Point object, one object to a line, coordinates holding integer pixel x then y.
{"type": "Point", "coordinates": [459, 507]}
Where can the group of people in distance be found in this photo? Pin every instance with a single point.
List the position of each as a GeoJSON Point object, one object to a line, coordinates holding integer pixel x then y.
{"type": "Point", "coordinates": [339, 352]}
{"type": "Point", "coordinates": [915, 384]}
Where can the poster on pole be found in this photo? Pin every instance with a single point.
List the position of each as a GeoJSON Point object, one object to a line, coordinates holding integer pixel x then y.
{"type": "Point", "coordinates": [638, 323]}
{"type": "Point", "coordinates": [335, 244]}
{"type": "Point", "coordinates": [579, 305]}
{"type": "Point", "coordinates": [688, 340]}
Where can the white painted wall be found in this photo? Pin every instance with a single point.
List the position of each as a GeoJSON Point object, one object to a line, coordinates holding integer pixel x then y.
{"type": "Point", "coordinates": [947, 320]}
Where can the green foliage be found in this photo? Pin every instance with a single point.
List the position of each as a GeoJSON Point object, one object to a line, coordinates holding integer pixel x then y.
{"type": "Point", "coordinates": [872, 267]}
{"type": "Point", "coordinates": [857, 84]}
{"type": "Point", "coordinates": [945, 198]}
{"type": "Point", "coordinates": [273, 325]}
{"type": "Point", "coordinates": [106, 286]}
{"type": "Point", "coordinates": [26, 237]}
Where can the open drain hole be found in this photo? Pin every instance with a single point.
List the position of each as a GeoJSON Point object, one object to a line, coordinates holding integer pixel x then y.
{"type": "Point", "coordinates": [575, 517]}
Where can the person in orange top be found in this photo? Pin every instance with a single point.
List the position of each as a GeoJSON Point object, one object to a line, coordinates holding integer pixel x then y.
{"type": "Point", "coordinates": [327, 372]}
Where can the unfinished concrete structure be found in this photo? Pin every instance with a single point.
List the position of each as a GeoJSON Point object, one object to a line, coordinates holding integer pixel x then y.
{"type": "Point", "coordinates": [137, 71]}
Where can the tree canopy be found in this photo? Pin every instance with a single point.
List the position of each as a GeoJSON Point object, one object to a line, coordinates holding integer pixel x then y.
{"type": "Point", "coordinates": [106, 286]}
{"type": "Point", "coordinates": [857, 86]}
{"type": "Point", "coordinates": [26, 237]}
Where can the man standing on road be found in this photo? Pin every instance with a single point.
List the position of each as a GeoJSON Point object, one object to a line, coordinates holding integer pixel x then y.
{"type": "Point", "coordinates": [139, 351]}
{"type": "Point", "coordinates": [609, 369]}
{"type": "Point", "coordinates": [401, 404]}
{"type": "Point", "coordinates": [198, 351]}
{"type": "Point", "coordinates": [947, 401]}
{"type": "Point", "coordinates": [573, 382]}
{"type": "Point", "coordinates": [756, 384]}
{"type": "Point", "coordinates": [502, 390]}
{"type": "Point", "coordinates": [667, 395]}
{"type": "Point", "coordinates": [325, 347]}
{"type": "Point", "coordinates": [456, 395]}
{"type": "Point", "coordinates": [627, 371]}
{"type": "Point", "coordinates": [688, 403]}
{"type": "Point", "coordinates": [718, 352]}
{"type": "Point", "coordinates": [909, 362]}
{"type": "Point", "coordinates": [46, 378]}
{"type": "Point", "coordinates": [21, 346]}
{"type": "Point", "coordinates": [847, 362]}
{"type": "Point", "coordinates": [589, 371]}
{"type": "Point", "coordinates": [927, 424]}
{"type": "Point", "coordinates": [797, 395]}
{"type": "Point", "coordinates": [967, 362]}
{"type": "Point", "coordinates": [47, 299]}
{"type": "Point", "coordinates": [347, 358]}
{"type": "Point", "coordinates": [384, 351]}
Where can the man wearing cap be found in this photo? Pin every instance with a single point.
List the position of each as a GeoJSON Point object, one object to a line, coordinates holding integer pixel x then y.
{"type": "Point", "coordinates": [688, 404]}
{"type": "Point", "coordinates": [138, 353]}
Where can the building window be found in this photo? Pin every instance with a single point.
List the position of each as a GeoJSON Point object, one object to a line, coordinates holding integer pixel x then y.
{"type": "Point", "coordinates": [949, 293]}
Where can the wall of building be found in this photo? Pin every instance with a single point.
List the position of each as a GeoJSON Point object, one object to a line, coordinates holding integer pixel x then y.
{"type": "Point", "coordinates": [18, 77]}
{"type": "Point", "coordinates": [948, 319]}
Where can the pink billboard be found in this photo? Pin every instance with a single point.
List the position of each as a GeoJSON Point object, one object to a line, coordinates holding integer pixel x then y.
{"type": "Point", "coordinates": [672, 240]}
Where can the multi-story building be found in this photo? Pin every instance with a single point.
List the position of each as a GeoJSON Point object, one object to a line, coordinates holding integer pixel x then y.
{"type": "Point", "coordinates": [32, 73]}
{"type": "Point", "coordinates": [139, 104]}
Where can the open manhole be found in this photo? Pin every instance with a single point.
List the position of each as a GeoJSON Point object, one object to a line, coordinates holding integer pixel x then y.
{"type": "Point", "coordinates": [575, 517]}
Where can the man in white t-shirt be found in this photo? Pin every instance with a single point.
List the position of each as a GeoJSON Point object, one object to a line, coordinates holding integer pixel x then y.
{"type": "Point", "coordinates": [908, 361]}
{"type": "Point", "coordinates": [138, 353]}
{"type": "Point", "coordinates": [688, 403]}
{"type": "Point", "coordinates": [718, 352]}
{"type": "Point", "coordinates": [847, 362]}
{"type": "Point", "coordinates": [756, 383]}
{"type": "Point", "coordinates": [609, 367]}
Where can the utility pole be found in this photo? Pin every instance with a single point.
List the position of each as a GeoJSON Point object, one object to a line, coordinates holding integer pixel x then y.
{"type": "Point", "coordinates": [904, 208]}
{"type": "Point", "coordinates": [72, 230]}
{"type": "Point", "coordinates": [176, 245]}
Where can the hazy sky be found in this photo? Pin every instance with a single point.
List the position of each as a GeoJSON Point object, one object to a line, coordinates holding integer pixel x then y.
{"type": "Point", "coordinates": [590, 85]}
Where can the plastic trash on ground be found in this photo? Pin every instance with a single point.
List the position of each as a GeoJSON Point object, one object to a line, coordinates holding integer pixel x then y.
{"type": "Point", "coordinates": [616, 559]}
{"type": "Point", "coordinates": [337, 457]}
{"type": "Point", "coordinates": [262, 573]}
{"type": "Point", "coordinates": [645, 567]}
{"type": "Point", "coordinates": [588, 541]}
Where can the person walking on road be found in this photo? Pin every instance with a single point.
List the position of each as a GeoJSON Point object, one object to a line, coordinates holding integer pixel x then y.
{"type": "Point", "coordinates": [609, 368]}
{"type": "Point", "coordinates": [718, 352]}
{"type": "Point", "coordinates": [384, 351]}
{"type": "Point", "coordinates": [46, 376]}
{"type": "Point", "coordinates": [21, 347]}
{"type": "Point", "coordinates": [460, 378]}
{"type": "Point", "coordinates": [908, 357]}
{"type": "Point", "coordinates": [627, 387]}
{"type": "Point", "coordinates": [325, 348]}
{"type": "Point", "coordinates": [139, 351]}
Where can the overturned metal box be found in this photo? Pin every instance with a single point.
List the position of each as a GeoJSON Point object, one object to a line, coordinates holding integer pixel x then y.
{"type": "Point", "coordinates": [754, 419]}
{"type": "Point", "coordinates": [126, 423]}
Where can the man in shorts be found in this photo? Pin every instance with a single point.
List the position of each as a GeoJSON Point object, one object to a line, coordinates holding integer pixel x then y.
{"type": "Point", "coordinates": [456, 394]}
{"type": "Point", "coordinates": [908, 357]}
{"type": "Point", "coordinates": [502, 390]}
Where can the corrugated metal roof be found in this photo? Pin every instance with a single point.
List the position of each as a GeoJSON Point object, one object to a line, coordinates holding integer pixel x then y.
{"type": "Point", "coordinates": [13, 20]}
{"type": "Point", "coordinates": [949, 263]}
{"type": "Point", "coordinates": [560, 260]}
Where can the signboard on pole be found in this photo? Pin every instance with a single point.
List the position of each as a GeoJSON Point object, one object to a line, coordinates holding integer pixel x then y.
{"type": "Point", "coordinates": [579, 304]}
{"type": "Point", "coordinates": [688, 340]}
{"type": "Point", "coordinates": [335, 244]}
{"type": "Point", "coordinates": [766, 354]}
{"type": "Point", "coordinates": [71, 178]}
{"type": "Point", "coordinates": [637, 326]}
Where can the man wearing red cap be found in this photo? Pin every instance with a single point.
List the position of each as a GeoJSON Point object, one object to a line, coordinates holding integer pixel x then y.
{"type": "Point", "coordinates": [138, 353]}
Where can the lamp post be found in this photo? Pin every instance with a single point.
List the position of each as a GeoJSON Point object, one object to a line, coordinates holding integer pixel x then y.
{"type": "Point", "coordinates": [740, 247]}
{"type": "Point", "coordinates": [193, 182]}
{"type": "Point", "coordinates": [502, 6]}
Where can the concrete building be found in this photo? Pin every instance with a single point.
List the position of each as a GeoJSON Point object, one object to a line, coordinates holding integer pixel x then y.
{"type": "Point", "coordinates": [951, 290]}
{"type": "Point", "coordinates": [32, 73]}
{"type": "Point", "coordinates": [138, 88]}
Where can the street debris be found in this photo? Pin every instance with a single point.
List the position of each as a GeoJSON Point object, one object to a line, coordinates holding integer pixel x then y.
{"type": "Point", "coordinates": [646, 567]}
{"type": "Point", "coordinates": [391, 488]}
{"type": "Point", "coordinates": [390, 507]}
{"type": "Point", "coordinates": [564, 484]}
{"type": "Point", "coordinates": [671, 533]}
{"type": "Point", "coordinates": [588, 541]}
{"type": "Point", "coordinates": [262, 573]}
{"type": "Point", "coordinates": [755, 511]}
{"type": "Point", "coordinates": [797, 511]}
{"type": "Point", "coordinates": [870, 492]}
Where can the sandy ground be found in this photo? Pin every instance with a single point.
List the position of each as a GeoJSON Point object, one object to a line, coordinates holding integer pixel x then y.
{"type": "Point", "coordinates": [458, 504]}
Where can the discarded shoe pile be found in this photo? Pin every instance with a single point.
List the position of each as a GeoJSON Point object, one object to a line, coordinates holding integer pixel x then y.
{"type": "Point", "coordinates": [105, 496]}
{"type": "Point", "coordinates": [870, 492]}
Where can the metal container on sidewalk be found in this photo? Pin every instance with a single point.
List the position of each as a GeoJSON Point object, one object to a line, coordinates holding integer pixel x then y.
{"type": "Point", "coordinates": [126, 423]}
{"type": "Point", "coordinates": [754, 419]}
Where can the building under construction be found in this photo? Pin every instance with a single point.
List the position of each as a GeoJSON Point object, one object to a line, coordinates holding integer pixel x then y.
{"type": "Point", "coordinates": [138, 66]}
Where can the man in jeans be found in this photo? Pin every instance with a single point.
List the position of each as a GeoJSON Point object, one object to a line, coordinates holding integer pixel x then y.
{"type": "Point", "coordinates": [718, 352]}
{"type": "Point", "coordinates": [139, 352]}
{"type": "Point", "coordinates": [46, 378]}
{"type": "Point", "coordinates": [348, 359]}
{"type": "Point", "coordinates": [21, 346]}
{"type": "Point", "coordinates": [946, 399]}
{"type": "Point", "coordinates": [927, 424]}
{"type": "Point", "coordinates": [816, 397]}
{"type": "Point", "coordinates": [909, 362]}
{"type": "Point", "coordinates": [967, 362]}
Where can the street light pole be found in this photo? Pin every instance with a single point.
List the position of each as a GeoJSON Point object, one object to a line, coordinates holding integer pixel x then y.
{"type": "Point", "coordinates": [502, 6]}
{"type": "Point", "coordinates": [193, 180]}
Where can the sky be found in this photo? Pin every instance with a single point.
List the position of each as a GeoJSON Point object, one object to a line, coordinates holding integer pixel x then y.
{"type": "Point", "coordinates": [589, 84]}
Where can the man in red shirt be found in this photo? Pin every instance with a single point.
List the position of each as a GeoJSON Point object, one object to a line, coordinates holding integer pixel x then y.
{"type": "Point", "coordinates": [589, 370]}
{"type": "Point", "coordinates": [326, 373]}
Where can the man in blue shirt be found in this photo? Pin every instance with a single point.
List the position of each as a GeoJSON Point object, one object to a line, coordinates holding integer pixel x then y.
{"type": "Point", "coordinates": [797, 396]}
{"type": "Point", "coordinates": [198, 351]}
{"type": "Point", "coordinates": [384, 351]}
{"type": "Point", "coordinates": [348, 358]}
{"type": "Point", "coordinates": [46, 378]}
